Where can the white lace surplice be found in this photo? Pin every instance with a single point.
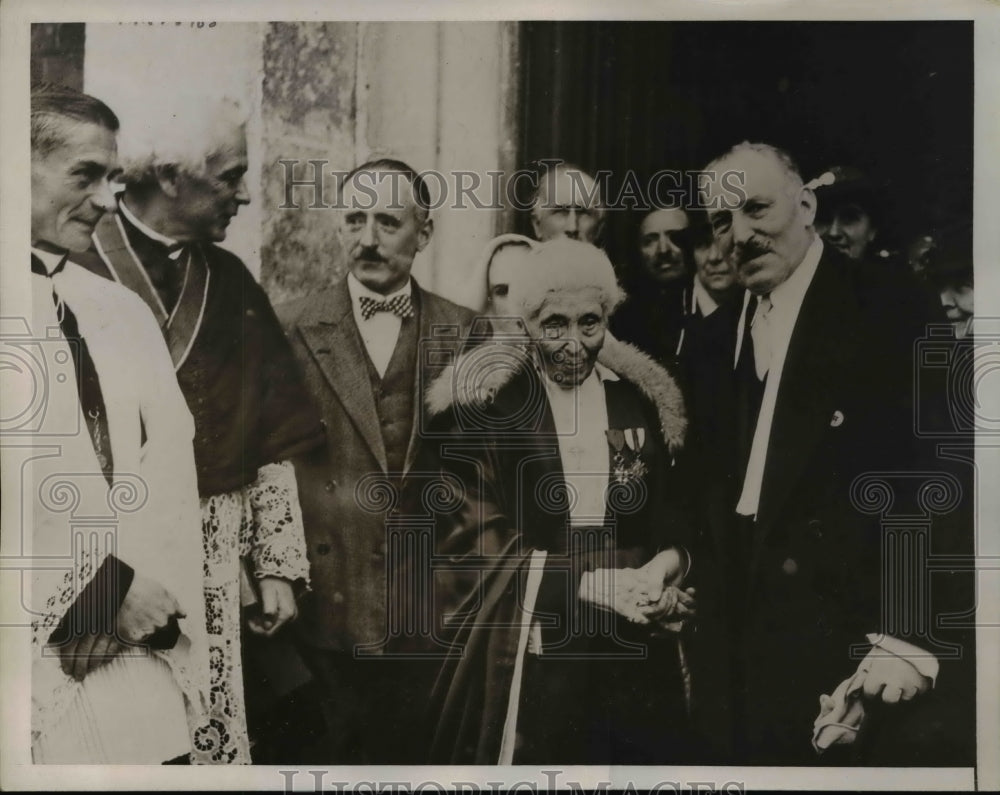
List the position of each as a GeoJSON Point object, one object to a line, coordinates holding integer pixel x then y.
{"type": "Point", "coordinates": [262, 521]}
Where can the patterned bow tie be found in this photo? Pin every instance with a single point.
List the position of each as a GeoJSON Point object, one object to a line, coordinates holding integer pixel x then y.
{"type": "Point", "coordinates": [401, 306]}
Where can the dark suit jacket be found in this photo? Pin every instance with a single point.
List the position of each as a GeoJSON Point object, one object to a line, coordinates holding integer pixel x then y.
{"type": "Point", "coordinates": [813, 579]}
{"type": "Point", "coordinates": [343, 484]}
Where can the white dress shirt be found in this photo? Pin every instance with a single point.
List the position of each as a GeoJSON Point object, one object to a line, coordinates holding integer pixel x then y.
{"type": "Point", "coordinates": [786, 300]}
{"type": "Point", "coordinates": [381, 331]}
{"type": "Point", "coordinates": [581, 419]}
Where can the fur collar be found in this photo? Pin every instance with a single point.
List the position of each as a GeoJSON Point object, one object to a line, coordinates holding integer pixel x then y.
{"type": "Point", "coordinates": [489, 367]}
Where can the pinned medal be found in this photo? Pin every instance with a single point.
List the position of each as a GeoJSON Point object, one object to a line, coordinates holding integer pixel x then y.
{"type": "Point", "coordinates": [837, 420]}
{"type": "Point", "coordinates": [634, 438]}
{"type": "Point", "coordinates": [626, 463]}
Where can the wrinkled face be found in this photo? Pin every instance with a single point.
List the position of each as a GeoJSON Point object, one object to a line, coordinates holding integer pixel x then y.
{"type": "Point", "coordinates": [382, 229]}
{"type": "Point", "coordinates": [568, 205]}
{"type": "Point", "coordinates": [767, 237]}
{"type": "Point", "coordinates": [849, 229]}
{"type": "Point", "coordinates": [206, 202]}
{"type": "Point", "coordinates": [70, 188]}
{"type": "Point", "coordinates": [569, 332]}
{"type": "Point", "coordinates": [662, 258]}
{"type": "Point", "coordinates": [714, 271]}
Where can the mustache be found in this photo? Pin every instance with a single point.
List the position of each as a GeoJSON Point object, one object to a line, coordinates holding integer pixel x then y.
{"type": "Point", "coordinates": [670, 259]}
{"type": "Point", "coordinates": [744, 252]}
{"type": "Point", "coordinates": [369, 255]}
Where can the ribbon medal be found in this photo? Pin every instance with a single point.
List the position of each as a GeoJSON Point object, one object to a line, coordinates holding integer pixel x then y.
{"type": "Point", "coordinates": [626, 463]}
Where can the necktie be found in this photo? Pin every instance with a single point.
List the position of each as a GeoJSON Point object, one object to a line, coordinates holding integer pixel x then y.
{"type": "Point", "coordinates": [401, 306]}
{"type": "Point", "coordinates": [760, 331]}
{"type": "Point", "coordinates": [87, 382]}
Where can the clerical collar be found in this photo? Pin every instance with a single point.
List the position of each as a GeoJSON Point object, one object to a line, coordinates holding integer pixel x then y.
{"type": "Point", "coordinates": [169, 242]}
{"type": "Point", "coordinates": [49, 259]}
{"type": "Point", "coordinates": [357, 289]}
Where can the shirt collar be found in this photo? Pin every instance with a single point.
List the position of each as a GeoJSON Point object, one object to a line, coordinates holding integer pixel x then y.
{"type": "Point", "coordinates": [48, 258]}
{"type": "Point", "coordinates": [790, 292]}
{"type": "Point", "coordinates": [357, 289]}
{"type": "Point", "coordinates": [147, 231]}
{"type": "Point", "coordinates": [702, 299]}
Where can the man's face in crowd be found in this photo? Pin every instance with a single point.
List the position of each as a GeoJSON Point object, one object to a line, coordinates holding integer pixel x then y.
{"type": "Point", "coordinates": [382, 229]}
{"type": "Point", "coordinates": [714, 271]}
{"type": "Point", "coordinates": [569, 330]}
{"type": "Point", "coordinates": [662, 258]}
{"type": "Point", "coordinates": [70, 188]}
{"type": "Point", "coordinates": [568, 204]}
{"type": "Point", "coordinates": [848, 228]}
{"type": "Point", "coordinates": [204, 203]}
{"type": "Point", "coordinates": [768, 236]}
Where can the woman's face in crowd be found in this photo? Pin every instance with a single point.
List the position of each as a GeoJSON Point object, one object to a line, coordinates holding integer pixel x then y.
{"type": "Point", "coordinates": [849, 229]}
{"type": "Point", "coordinates": [569, 330]}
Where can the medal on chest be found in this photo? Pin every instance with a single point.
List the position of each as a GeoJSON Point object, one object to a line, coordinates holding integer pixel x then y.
{"type": "Point", "coordinates": [626, 461]}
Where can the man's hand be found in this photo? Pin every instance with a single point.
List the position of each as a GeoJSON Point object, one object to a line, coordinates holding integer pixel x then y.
{"type": "Point", "coordinates": [672, 608]}
{"type": "Point", "coordinates": [147, 607]}
{"type": "Point", "coordinates": [277, 606]}
{"type": "Point", "coordinates": [666, 568]}
{"type": "Point", "coordinates": [82, 655]}
{"type": "Point", "coordinates": [893, 678]}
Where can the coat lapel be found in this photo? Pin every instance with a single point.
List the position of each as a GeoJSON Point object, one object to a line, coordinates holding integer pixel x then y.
{"type": "Point", "coordinates": [433, 324]}
{"type": "Point", "coordinates": [823, 342]}
{"type": "Point", "coordinates": [336, 347]}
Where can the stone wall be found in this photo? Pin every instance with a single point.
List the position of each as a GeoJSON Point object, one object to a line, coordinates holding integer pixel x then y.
{"type": "Point", "coordinates": [437, 95]}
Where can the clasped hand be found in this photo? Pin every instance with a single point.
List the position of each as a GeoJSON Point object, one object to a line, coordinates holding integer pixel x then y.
{"type": "Point", "coordinates": [146, 608]}
{"type": "Point", "coordinates": [651, 595]}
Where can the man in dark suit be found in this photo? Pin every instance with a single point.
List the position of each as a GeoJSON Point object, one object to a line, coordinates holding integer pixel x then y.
{"type": "Point", "coordinates": [802, 402]}
{"type": "Point", "coordinates": [359, 343]}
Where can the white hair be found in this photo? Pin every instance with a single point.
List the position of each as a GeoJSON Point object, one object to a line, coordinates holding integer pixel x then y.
{"type": "Point", "coordinates": [564, 265]}
{"type": "Point", "coordinates": [185, 134]}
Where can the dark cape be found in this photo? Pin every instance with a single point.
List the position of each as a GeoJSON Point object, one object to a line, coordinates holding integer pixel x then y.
{"type": "Point", "coordinates": [615, 695]}
{"type": "Point", "coordinates": [233, 362]}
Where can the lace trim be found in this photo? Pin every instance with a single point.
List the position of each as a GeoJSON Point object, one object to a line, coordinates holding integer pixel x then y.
{"type": "Point", "coordinates": [264, 522]}
{"type": "Point", "coordinates": [273, 533]}
{"type": "Point", "coordinates": [220, 737]}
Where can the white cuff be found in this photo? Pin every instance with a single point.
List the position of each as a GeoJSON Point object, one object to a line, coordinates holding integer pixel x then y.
{"type": "Point", "coordinates": [925, 662]}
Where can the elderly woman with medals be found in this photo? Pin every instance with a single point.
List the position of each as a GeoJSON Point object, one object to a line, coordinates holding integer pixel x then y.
{"type": "Point", "coordinates": [563, 547]}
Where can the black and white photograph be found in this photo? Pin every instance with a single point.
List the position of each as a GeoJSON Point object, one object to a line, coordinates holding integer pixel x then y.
{"type": "Point", "coordinates": [469, 396]}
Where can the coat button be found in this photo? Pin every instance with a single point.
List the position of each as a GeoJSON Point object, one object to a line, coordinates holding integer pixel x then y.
{"type": "Point", "coordinates": [790, 567]}
{"type": "Point", "coordinates": [330, 486]}
{"type": "Point", "coordinates": [323, 549]}
{"type": "Point", "coordinates": [338, 598]}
